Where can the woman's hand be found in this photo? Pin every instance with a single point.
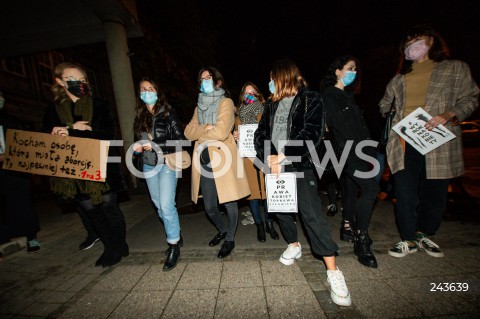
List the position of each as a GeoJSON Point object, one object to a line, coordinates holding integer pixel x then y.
{"type": "Point", "coordinates": [147, 146]}
{"type": "Point", "coordinates": [439, 119]}
{"type": "Point", "coordinates": [60, 130]}
{"type": "Point", "coordinates": [137, 148]}
{"type": "Point", "coordinates": [82, 126]}
{"type": "Point", "coordinates": [275, 163]}
{"type": "Point", "coordinates": [236, 135]}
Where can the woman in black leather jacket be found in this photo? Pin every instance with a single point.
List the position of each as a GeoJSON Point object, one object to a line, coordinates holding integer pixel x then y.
{"type": "Point", "coordinates": [155, 124]}
{"type": "Point", "coordinates": [294, 113]}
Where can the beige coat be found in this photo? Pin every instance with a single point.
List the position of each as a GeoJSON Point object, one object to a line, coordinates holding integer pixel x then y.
{"type": "Point", "coordinates": [255, 177]}
{"type": "Point", "coordinates": [228, 170]}
{"type": "Point", "coordinates": [451, 88]}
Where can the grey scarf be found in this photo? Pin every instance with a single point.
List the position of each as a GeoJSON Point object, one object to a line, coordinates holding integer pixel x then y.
{"type": "Point", "coordinates": [208, 106]}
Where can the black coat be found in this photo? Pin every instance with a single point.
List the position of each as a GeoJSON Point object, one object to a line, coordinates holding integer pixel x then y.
{"type": "Point", "coordinates": [306, 122]}
{"type": "Point", "coordinates": [166, 128]}
{"type": "Point", "coordinates": [344, 118]}
{"type": "Point", "coordinates": [103, 128]}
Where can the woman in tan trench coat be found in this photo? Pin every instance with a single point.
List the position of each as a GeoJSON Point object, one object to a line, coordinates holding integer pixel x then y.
{"type": "Point", "coordinates": [217, 169]}
{"type": "Point", "coordinates": [250, 108]}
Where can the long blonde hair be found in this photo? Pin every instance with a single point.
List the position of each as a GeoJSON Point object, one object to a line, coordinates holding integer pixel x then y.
{"type": "Point", "coordinates": [287, 79]}
{"type": "Point", "coordinates": [59, 93]}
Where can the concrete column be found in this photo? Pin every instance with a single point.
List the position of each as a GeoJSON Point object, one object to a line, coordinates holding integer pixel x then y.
{"type": "Point", "coordinates": [123, 86]}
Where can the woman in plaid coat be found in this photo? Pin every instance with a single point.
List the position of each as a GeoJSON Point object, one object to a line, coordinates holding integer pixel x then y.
{"type": "Point", "coordinates": [445, 89]}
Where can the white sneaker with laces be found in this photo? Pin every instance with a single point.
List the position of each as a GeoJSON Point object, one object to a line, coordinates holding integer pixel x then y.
{"type": "Point", "coordinates": [290, 254]}
{"type": "Point", "coordinates": [338, 288]}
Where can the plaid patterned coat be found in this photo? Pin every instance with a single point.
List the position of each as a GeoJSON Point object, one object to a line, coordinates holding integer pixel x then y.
{"type": "Point", "coordinates": [451, 88]}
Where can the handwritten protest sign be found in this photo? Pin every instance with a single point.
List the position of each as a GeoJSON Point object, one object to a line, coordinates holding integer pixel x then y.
{"type": "Point", "coordinates": [412, 129]}
{"type": "Point", "coordinates": [245, 142]}
{"type": "Point", "coordinates": [55, 155]}
{"type": "Point", "coordinates": [281, 193]}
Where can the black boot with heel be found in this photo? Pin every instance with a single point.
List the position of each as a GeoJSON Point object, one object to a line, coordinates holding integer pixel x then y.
{"type": "Point", "coordinates": [261, 233]}
{"type": "Point", "coordinates": [362, 249]}
{"type": "Point", "coordinates": [271, 230]}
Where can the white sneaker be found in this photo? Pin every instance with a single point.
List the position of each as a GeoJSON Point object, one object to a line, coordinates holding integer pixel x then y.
{"type": "Point", "coordinates": [290, 254]}
{"type": "Point", "coordinates": [338, 288]}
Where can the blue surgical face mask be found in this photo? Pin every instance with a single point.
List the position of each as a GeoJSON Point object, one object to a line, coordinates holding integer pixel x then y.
{"type": "Point", "coordinates": [148, 97]}
{"type": "Point", "coordinates": [348, 78]}
{"type": "Point", "coordinates": [207, 86]}
{"type": "Point", "coordinates": [271, 86]}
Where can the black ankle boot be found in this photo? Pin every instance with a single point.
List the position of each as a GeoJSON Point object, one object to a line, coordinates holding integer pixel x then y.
{"type": "Point", "coordinates": [217, 239]}
{"type": "Point", "coordinates": [226, 249]}
{"type": "Point", "coordinates": [362, 249]}
{"type": "Point", "coordinates": [261, 233]}
{"type": "Point", "coordinates": [172, 257]}
{"type": "Point", "coordinates": [271, 230]}
{"type": "Point", "coordinates": [179, 243]}
{"type": "Point", "coordinates": [347, 233]}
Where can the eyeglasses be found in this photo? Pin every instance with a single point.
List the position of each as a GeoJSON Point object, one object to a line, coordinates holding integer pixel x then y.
{"type": "Point", "coordinates": [208, 77]}
{"type": "Point", "coordinates": [71, 78]}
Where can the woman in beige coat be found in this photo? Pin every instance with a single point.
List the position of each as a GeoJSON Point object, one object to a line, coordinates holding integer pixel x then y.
{"type": "Point", "coordinates": [250, 109]}
{"type": "Point", "coordinates": [217, 169]}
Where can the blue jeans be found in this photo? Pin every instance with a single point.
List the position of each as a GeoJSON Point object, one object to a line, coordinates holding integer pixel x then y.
{"type": "Point", "coordinates": [255, 210]}
{"type": "Point", "coordinates": [162, 187]}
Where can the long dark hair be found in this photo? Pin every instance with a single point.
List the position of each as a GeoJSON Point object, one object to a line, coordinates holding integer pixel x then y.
{"type": "Point", "coordinates": [216, 77]}
{"type": "Point", "coordinates": [143, 117]}
{"type": "Point", "coordinates": [438, 52]}
{"type": "Point", "coordinates": [330, 78]}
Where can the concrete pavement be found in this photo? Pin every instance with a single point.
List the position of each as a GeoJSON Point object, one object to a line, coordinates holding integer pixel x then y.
{"type": "Point", "coordinates": [61, 282]}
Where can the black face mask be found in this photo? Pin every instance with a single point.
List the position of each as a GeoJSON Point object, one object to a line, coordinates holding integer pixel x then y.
{"type": "Point", "coordinates": [78, 88]}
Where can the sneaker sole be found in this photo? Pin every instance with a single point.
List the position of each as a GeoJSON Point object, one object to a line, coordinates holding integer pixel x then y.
{"type": "Point", "coordinates": [341, 301]}
{"type": "Point", "coordinates": [289, 262]}
{"type": "Point", "coordinates": [91, 245]}
{"type": "Point", "coordinates": [433, 254]}
{"type": "Point", "coordinates": [400, 255]}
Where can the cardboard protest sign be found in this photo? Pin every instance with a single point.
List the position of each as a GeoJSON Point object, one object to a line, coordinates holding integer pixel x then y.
{"type": "Point", "coordinates": [245, 142]}
{"type": "Point", "coordinates": [412, 129]}
{"type": "Point", "coordinates": [281, 193]}
{"type": "Point", "coordinates": [56, 155]}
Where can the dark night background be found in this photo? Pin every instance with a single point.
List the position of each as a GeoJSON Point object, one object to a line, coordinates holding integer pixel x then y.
{"type": "Point", "coordinates": [244, 38]}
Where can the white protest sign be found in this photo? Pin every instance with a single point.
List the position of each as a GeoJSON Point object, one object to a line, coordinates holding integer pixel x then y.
{"type": "Point", "coordinates": [281, 193]}
{"type": "Point", "coordinates": [245, 142]}
{"type": "Point", "coordinates": [412, 129]}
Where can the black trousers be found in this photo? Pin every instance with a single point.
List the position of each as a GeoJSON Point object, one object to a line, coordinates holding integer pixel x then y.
{"type": "Point", "coordinates": [420, 201]}
{"type": "Point", "coordinates": [358, 194]}
{"type": "Point", "coordinates": [310, 210]}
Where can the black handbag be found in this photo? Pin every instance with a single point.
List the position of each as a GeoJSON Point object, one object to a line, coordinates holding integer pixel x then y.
{"type": "Point", "coordinates": [382, 144]}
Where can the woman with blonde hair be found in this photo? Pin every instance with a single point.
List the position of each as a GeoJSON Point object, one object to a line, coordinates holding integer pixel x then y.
{"type": "Point", "coordinates": [76, 113]}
